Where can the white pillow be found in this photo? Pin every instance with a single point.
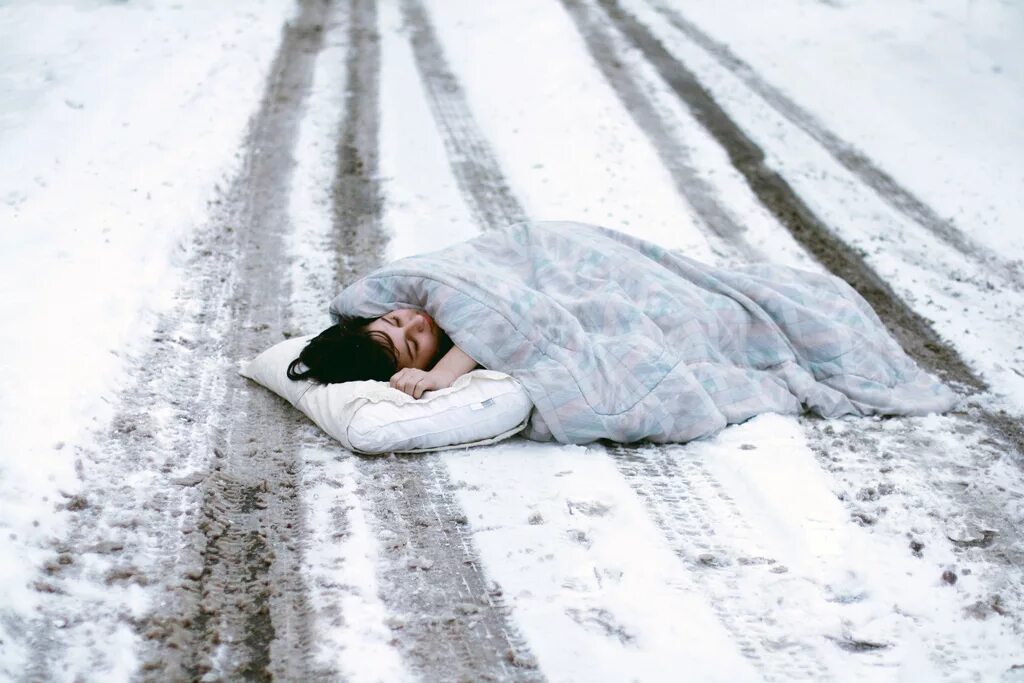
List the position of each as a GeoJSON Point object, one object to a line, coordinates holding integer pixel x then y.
{"type": "Point", "coordinates": [482, 407]}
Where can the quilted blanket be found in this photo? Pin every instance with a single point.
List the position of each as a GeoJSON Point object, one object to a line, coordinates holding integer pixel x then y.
{"type": "Point", "coordinates": [617, 338]}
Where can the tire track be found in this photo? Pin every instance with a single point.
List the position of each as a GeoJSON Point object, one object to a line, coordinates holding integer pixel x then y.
{"type": "Point", "coordinates": [772, 190]}
{"type": "Point", "coordinates": [470, 155]}
{"type": "Point", "coordinates": [849, 157]}
{"type": "Point", "coordinates": [687, 504]}
{"type": "Point", "coordinates": [240, 610]}
{"type": "Point", "coordinates": [226, 596]}
{"type": "Point", "coordinates": [215, 546]}
{"type": "Point", "coordinates": [998, 431]}
{"type": "Point", "coordinates": [674, 155]}
{"type": "Point", "coordinates": [127, 529]}
{"type": "Point", "coordinates": [966, 505]}
{"type": "Point", "coordinates": [689, 507]}
{"type": "Point", "coordinates": [913, 332]}
{"type": "Point", "coordinates": [357, 205]}
{"type": "Point", "coordinates": [450, 622]}
{"type": "Point", "coordinates": [663, 487]}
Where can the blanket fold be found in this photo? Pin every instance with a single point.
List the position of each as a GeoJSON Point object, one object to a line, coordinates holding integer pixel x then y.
{"type": "Point", "coordinates": [617, 338]}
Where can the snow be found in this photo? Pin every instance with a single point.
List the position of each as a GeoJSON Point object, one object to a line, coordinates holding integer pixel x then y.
{"type": "Point", "coordinates": [779, 486]}
{"type": "Point", "coordinates": [356, 638]}
{"type": "Point", "coordinates": [577, 556]}
{"type": "Point", "coordinates": [580, 153]}
{"type": "Point", "coordinates": [342, 552]}
{"type": "Point", "coordinates": [432, 213]}
{"type": "Point", "coordinates": [309, 209]}
{"type": "Point", "coordinates": [118, 123]}
{"type": "Point", "coordinates": [968, 299]}
{"type": "Point", "coordinates": [568, 149]}
{"type": "Point", "coordinates": [930, 91]}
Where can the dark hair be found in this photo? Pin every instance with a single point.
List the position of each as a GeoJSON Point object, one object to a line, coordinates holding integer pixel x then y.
{"type": "Point", "coordinates": [346, 352]}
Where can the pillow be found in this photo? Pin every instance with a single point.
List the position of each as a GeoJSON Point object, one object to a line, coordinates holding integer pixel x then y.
{"type": "Point", "coordinates": [481, 407]}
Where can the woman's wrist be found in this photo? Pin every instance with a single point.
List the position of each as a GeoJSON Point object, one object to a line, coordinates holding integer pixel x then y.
{"type": "Point", "coordinates": [443, 378]}
{"type": "Point", "coordinates": [453, 365]}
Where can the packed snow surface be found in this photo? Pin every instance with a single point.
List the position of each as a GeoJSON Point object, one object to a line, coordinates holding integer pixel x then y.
{"type": "Point", "coordinates": [782, 548]}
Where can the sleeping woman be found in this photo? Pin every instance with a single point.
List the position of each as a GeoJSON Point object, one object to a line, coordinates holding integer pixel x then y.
{"type": "Point", "coordinates": [617, 338]}
{"type": "Point", "coordinates": [404, 347]}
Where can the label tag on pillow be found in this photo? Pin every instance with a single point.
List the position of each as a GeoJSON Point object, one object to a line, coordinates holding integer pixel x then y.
{"type": "Point", "coordinates": [483, 404]}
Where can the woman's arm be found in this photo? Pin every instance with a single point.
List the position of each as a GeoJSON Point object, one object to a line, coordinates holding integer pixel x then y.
{"type": "Point", "coordinates": [452, 365]}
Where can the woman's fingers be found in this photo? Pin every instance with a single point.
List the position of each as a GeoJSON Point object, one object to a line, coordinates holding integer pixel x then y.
{"type": "Point", "coordinates": [411, 381]}
{"type": "Point", "coordinates": [400, 378]}
{"type": "Point", "coordinates": [427, 383]}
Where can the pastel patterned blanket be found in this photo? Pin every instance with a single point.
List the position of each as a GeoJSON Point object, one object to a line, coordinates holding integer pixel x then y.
{"type": "Point", "coordinates": [617, 338]}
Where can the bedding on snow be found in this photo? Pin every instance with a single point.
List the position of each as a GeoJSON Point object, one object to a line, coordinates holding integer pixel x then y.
{"type": "Point", "coordinates": [614, 337]}
{"type": "Point", "coordinates": [481, 407]}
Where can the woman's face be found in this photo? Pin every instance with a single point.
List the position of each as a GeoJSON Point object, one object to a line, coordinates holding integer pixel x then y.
{"type": "Point", "coordinates": [414, 334]}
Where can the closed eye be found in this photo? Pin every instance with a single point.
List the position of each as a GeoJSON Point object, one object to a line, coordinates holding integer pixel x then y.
{"type": "Point", "coordinates": [393, 320]}
{"type": "Point", "coordinates": [408, 348]}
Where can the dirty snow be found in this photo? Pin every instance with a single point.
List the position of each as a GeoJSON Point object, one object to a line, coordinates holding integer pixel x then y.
{"type": "Point", "coordinates": [117, 123]}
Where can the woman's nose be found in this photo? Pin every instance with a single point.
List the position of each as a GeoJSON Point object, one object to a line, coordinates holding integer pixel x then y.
{"type": "Point", "coordinates": [417, 323]}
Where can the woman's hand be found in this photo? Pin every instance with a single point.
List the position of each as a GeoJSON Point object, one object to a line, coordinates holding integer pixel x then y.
{"type": "Point", "coordinates": [453, 365]}
{"type": "Point", "coordinates": [414, 382]}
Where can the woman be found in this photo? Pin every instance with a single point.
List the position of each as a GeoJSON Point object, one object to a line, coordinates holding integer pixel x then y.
{"type": "Point", "coordinates": [405, 347]}
{"type": "Point", "coordinates": [617, 338]}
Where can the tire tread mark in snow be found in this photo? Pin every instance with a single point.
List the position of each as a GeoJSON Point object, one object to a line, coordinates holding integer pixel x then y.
{"type": "Point", "coordinates": [447, 620]}
{"type": "Point", "coordinates": [451, 622]}
{"type": "Point", "coordinates": [913, 332]}
{"type": "Point", "coordinates": [689, 506]}
{"type": "Point", "coordinates": [918, 480]}
{"type": "Point", "coordinates": [661, 501]}
{"type": "Point", "coordinates": [356, 200]}
{"type": "Point", "coordinates": [471, 157]}
{"type": "Point", "coordinates": [241, 611]}
{"type": "Point", "coordinates": [852, 159]}
{"type": "Point", "coordinates": [134, 542]}
{"type": "Point", "coordinates": [656, 488]}
{"type": "Point", "coordinates": [675, 157]}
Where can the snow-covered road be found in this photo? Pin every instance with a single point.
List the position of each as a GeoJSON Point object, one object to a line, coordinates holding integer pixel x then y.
{"type": "Point", "coordinates": [185, 183]}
